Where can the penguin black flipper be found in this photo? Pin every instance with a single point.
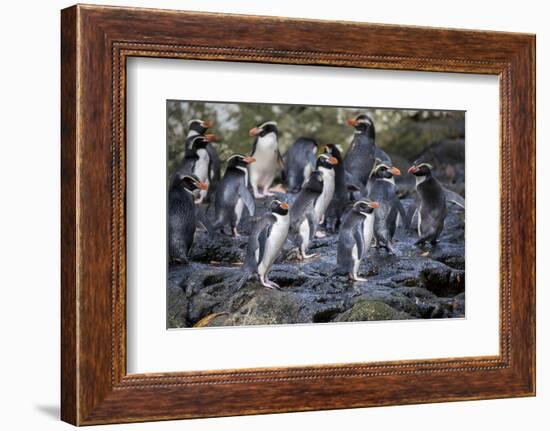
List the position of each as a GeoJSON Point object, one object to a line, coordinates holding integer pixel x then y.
{"type": "Point", "coordinates": [280, 160]}
{"type": "Point", "coordinates": [254, 242]}
{"type": "Point", "coordinates": [247, 198]}
{"type": "Point", "coordinates": [454, 197]}
{"type": "Point", "coordinates": [214, 169]}
{"type": "Point", "coordinates": [401, 210]}
{"type": "Point", "coordinates": [312, 222]}
{"type": "Point", "coordinates": [381, 155]}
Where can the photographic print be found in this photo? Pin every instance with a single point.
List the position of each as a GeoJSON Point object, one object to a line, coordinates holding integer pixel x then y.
{"type": "Point", "coordinates": [293, 214]}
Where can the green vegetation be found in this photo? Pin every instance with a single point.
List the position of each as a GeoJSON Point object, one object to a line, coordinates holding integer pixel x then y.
{"type": "Point", "coordinates": [402, 133]}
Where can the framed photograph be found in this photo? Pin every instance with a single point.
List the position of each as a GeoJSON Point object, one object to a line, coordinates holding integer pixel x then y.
{"type": "Point", "coordinates": [283, 215]}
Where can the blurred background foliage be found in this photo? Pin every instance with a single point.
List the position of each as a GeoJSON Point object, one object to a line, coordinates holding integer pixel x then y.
{"type": "Point", "coordinates": [404, 134]}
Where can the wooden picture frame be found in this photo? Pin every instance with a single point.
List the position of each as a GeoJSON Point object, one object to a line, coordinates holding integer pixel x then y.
{"type": "Point", "coordinates": [96, 41]}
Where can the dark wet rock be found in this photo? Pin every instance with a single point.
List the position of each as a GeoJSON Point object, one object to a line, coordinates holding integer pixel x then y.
{"type": "Point", "coordinates": [415, 283]}
{"type": "Point", "coordinates": [459, 304]}
{"type": "Point", "coordinates": [177, 307]}
{"type": "Point", "coordinates": [218, 248]}
{"type": "Point", "coordinates": [364, 310]}
{"type": "Point", "coordinates": [441, 279]}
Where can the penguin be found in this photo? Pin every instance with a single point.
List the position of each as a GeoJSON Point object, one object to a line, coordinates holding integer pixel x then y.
{"type": "Point", "coordinates": [303, 217]}
{"type": "Point", "coordinates": [199, 127]}
{"type": "Point", "coordinates": [196, 162]}
{"type": "Point", "coordinates": [265, 243]}
{"type": "Point", "coordinates": [382, 189]}
{"type": "Point", "coordinates": [433, 203]}
{"type": "Point", "coordinates": [354, 238]}
{"type": "Point", "coordinates": [340, 200]}
{"type": "Point", "coordinates": [181, 216]}
{"type": "Point", "coordinates": [299, 163]}
{"type": "Point", "coordinates": [326, 165]}
{"type": "Point", "coordinates": [233, 195]}
{"type": "Point", "coordinates": [268, 158]}
{"type": "Point", "coordinates": [359, 159]}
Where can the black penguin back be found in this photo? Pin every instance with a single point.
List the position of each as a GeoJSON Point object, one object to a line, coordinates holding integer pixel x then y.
{"type": "Point", "coordinates": [299, 155]}
{"type": "Point", "coordinates": [181, 222]}
{"type": "Point", "coordinates": [359, 160]}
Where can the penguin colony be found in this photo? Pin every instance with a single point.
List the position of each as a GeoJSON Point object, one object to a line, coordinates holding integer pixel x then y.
{"type": "Point", "coordinates": [352, 194]}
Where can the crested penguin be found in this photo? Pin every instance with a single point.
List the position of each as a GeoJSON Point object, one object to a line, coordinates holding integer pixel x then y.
{"type": "Point", "coordinates": [182, 221]}
{"type": "Point", "coordinates": [359, 159]}
{"type": "Point", "coordinates": [303, 216]}
{"type": "Point", "coordinates": [383, 190]}
{"type": "Point", "coordinates": [433, 203]}
{"type": "Point", "coordinates": [199, 127]}
{"type": "Point", "coordinates": [326, 165]}
{"type": "Point", "coordinates": [299, 163]}
{"type": "Point", "coordinates": [340, 200]}
{"type": "Point", "coordinates": [196, 162]}
{"type": "Point", "coordinates": [266, 241]}
{"type": "Point", "coordinates": [354, 238]}
{"type": "Point", "coordinates": [268, 158]}
{"type": "Point", "coordinates": [233, 194]}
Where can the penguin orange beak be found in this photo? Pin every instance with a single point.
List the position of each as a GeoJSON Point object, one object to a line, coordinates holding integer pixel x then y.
{"type": "Point", "coordinates": [395, 171]}
{"type": "Point", "coordinates": [210, 137]}
{"type": "Point", "coordinates": [203, 186]}
{"type": "Point", "coordinates": [412, 170]}
{"type": "Point", "coordinates": [254, 132]}
{"type": "Point", "coordinates": [352, 122]}
{"type": "Point", "coordinates": [284, 206]}
{"type": "Point", "coordinates": [374, 205]}
{"type": "Point", "coordinates": [207, 123]}
{"type": "Point", "coordinates": [249, 159]}
{"type": "Point", "coordinates": [333, 161]}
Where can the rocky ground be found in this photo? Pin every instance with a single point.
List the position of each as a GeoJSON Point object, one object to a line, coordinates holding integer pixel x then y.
{"type": "Point", "coordinates": [417, 283]}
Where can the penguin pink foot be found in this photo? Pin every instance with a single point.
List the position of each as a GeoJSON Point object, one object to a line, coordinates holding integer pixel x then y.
{"type": "Point", "coordinates": [266, 282]}
{"type": "Point", "coordinates": [305, 256]}
{"type": "Point", "coordinates": [268, 193]}
{"type": "Point", "coordinates": [356, 278]}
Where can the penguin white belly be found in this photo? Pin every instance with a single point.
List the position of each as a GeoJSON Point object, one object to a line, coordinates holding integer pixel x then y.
{"type": "Point", "coordinates": [201, 170]}
{"type": "Point", "coordinates": [307, 172]}
{"type": "Point", "coordinates": [323, 201]}
{"type": "Point", "coordinates": [355, 258]}
{"type": "Point", "coordinates": [368, 232]}
{"type": "Point", "coordinates": [264, 170]}
{"type": "Point", "coordinates": [274, 243]}
{"type": "Point", "coordinates": [201, 166]}
{"type": "Point", "coordinates": [419, 223]}
{"type": "Point", "coordinates": [239, 210]}
{"type": "Point", "coordinates": [304, 234]}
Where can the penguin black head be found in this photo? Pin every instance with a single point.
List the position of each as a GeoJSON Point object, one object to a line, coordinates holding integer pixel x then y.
{"type": "Point", "coordinates": [315, 181]}
{"type": "Point", "coordinates": [363, 124]}
{"type": "Point", "coordinates": [191, 183]}
{"type": "Point", "coordinates": [264, 129]}
{"type": "Point", "coordinates": [333, 150]}
{"type": "Point", "coordinates": [278, 207]}
{"type": "Point", "coordinates": [199, 126]}
{"type": "Point", "coordinates": [326, 161]}
{"type": "Point", "coordinates": [365, 206]}
{"type": "Point", "coordinates": [384, 170]}
{"type": "Point", "coordinates": [421, 169]}
{"type": "Point", "coordinates": [199, 142]}
{"type": "Point", "coordinates": [239, 160]}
